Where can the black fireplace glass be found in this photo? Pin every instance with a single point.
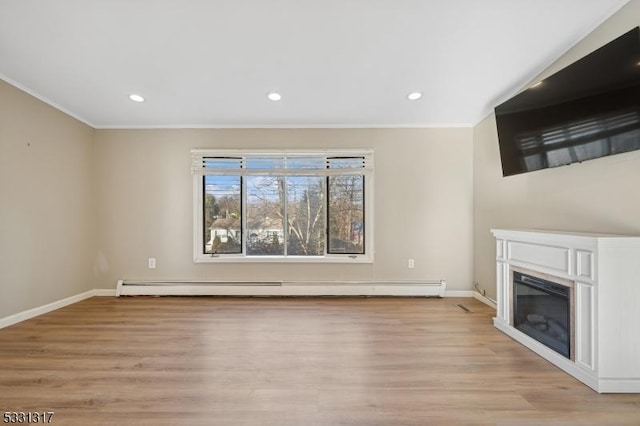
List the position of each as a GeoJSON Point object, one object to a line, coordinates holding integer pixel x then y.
{"type": "Point", "coordinates": [541, 310]}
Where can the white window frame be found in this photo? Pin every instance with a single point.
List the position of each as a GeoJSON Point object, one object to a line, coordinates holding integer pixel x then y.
{"type": "Point", "coordinates": [198, 217]}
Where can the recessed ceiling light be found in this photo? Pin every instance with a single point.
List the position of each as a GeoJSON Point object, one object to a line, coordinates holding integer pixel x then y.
{"type": "Point", "coordinates": [414, 96]}
{"type": "Point", "coordinates": [274, 96]}
{"type": "Point", "coordinates": [136, 98]}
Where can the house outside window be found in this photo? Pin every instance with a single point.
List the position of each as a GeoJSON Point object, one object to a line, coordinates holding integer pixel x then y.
{"type": "Point", "coordinates": [298, 206]}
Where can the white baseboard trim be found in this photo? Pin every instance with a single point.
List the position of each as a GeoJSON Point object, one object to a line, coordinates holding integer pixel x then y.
{"type": "Point", "coordinates": [280, 288]}
{"type": "Point", "coordinates": [484, 300]}
{"type": "Point", "coordinates": [32, 313]}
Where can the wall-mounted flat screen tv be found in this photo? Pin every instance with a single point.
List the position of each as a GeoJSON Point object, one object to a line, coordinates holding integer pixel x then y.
{"type": "Point", "coordinates": [588, 110]}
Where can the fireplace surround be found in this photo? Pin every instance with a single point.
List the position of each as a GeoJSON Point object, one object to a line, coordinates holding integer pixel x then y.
{"type": "Point", "coordinates": [591, 279]}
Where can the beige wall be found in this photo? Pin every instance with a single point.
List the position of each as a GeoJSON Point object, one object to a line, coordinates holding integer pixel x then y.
{"type": "Point", "coordinates": [47, 220]}
{"type": "Point", "coordinates": [82, 208]}
{"type": "Point", "coordinates": [596, 196]}
{"type": "Point", "coordinates": [423, 203]}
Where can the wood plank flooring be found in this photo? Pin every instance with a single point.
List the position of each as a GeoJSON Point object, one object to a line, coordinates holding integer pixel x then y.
{"type": "Point", "coordinates": [288, 361]}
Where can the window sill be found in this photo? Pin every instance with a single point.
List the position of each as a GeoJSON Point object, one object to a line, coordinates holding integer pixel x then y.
{"type": "Point", "coordinates": [278, 259]}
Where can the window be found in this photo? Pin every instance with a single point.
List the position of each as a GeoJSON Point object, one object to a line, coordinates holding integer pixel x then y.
{"type": "Point", "coordinates": [293, 206]}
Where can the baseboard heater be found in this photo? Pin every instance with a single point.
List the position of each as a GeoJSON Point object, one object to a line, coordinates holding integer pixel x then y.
{"type": "Point", "coordinates": [280, 288]}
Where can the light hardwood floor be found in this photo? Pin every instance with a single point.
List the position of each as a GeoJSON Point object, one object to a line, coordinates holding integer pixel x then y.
{"type": "Point", "coordinates": [288, 361]}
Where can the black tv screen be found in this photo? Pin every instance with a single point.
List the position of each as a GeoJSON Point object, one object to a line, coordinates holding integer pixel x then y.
{"type": "Point", "coordinates": [587, 110]}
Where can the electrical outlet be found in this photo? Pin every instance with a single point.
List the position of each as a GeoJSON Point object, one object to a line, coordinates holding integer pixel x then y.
{"type": "Point", "coordinates": [411, 264]}
{"type": "Point", "coordinates": [152, 263]}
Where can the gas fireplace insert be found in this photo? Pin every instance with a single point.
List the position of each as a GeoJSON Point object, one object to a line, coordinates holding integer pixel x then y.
{"type": "Point", "coordinates": [542, 310]}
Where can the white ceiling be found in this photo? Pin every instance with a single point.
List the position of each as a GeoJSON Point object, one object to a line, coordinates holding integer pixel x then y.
{"type": "Point", "coordinates": [210, 63]}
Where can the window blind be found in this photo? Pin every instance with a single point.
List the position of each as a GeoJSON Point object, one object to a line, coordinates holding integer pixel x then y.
{"type": "Point", "coordinates": [300, 163]}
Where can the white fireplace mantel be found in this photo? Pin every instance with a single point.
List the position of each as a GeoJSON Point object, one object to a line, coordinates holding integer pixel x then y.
{"type": "Point", "coordinates": [605, 270]}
